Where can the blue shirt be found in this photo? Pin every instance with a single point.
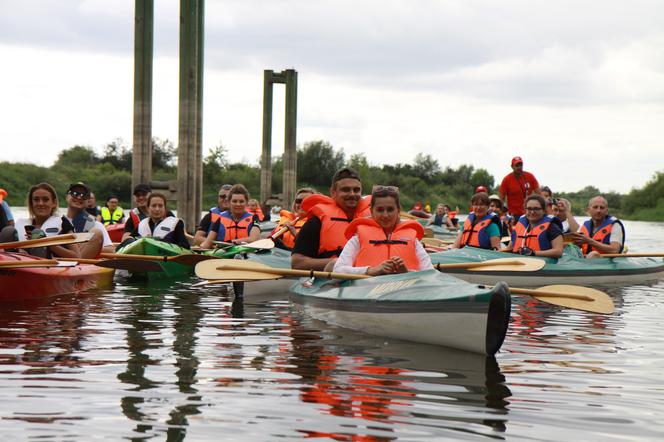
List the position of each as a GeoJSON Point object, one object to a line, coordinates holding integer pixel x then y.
{"type": "Point", "coordinates": [8, 211]}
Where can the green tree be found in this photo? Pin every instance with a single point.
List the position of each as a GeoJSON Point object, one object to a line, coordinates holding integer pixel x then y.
{"type": "Point", "coordinates": [317, 162]}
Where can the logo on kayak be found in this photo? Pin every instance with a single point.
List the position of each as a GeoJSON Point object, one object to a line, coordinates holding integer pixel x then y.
{"type": "Point", "coordinates": [389, 287]}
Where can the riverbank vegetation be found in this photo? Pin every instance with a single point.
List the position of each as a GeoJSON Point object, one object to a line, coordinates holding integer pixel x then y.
{"type": "Point", "coordinates": [424, 179]}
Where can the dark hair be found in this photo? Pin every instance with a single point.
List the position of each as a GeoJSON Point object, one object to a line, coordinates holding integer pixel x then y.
{"type": "Point", "coordinates": [346, 172]}
{"type": "Point", "coordinates": [538, 198]}
{"type": "Point", "coordinates": [305, 190]}
{"type": "Point", "coordinates": [49, 189]}
{"type": "Point", "coordinates": [546, 189]}
{"type": "Point", "coordinates": [481, 197]}
{"type": "Point", "coordinates": [385, 191]}
{"type": "Point", "coordinates": [447, 206]}
{"type": "Point", "coordinates": [238, 189]}
{"type": "Point", "coordinates": [498, 202]}
{"type": "Point", "coordinates": [157, 195]}
{"type": "Point", "coordinates": [110, 197]}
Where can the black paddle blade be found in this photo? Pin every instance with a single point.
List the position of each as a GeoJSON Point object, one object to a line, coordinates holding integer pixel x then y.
{"type": "Point", "coordinates": [133, 265]}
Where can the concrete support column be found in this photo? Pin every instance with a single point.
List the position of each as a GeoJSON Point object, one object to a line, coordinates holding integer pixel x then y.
{"type": "Point", "coordinates": [141, 168]}
{"type": "Point", "coordinates": [190, 120]}
{"type": "Point", "coordinates": [290, 142]}
{"type": "Point", "coordinates": [266, 156]}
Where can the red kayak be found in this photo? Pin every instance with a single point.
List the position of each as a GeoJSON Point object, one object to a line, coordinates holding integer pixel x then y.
{"type": "Point", "coordinates": [115, 231]}
{"type": "Point", "coordinates": [39, 282]}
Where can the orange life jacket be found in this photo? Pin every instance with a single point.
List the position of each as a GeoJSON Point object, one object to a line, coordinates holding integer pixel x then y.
{"type": "Point", "coordinates": [288, 239]}
{"type": "Point", "coordinates": [603, 233]}
{"type": "Point", "coordinates": [534, 238]}
{"type": "Point", "coordinates": [376, 247]}
{"type": "Point", "coordinates": [258, 212]}
{"type": "Point", "coordinates": [235, 230]}
{"type": "Point", "coordinates": [333, 222]}
{"type": "Point", "coordinates": [475, 235]}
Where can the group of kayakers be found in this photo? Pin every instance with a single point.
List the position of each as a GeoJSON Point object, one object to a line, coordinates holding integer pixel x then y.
{"type": "Point", "coordinates": [341, 231]}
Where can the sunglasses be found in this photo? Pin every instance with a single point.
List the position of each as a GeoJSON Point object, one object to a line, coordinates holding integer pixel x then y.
{"type": "Point", "coordinates": [77, 194]}
{"type": "Point", "coordinates": [533, 209]}
{"type": "Point", "coordinates": [223, 196]}
{"type": "Point", "coordinates": [140, 194]}
{"type": "Point", "coordinates": [298, 200]}
{"type": "Point", "coordinates": [390, 189]}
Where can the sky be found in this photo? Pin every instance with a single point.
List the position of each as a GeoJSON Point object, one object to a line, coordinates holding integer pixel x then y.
{"type": "Point", "coordinates": [576, 88]}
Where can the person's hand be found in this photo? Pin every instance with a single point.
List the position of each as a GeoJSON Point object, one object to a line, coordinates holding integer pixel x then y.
{"type": "Point", "coordinates": [526, 251]}
{"type": "Point", "coordinates": [399, 266]}
{"type": "Point", "coordinates": [384, 268]}
{"type": "Point", "coordinates": [579, 238]}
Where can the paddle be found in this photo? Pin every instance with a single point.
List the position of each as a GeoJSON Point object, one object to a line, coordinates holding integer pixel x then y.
{"type": "Point", "coordinates": [70, 238]}
{"type": "Point", "coordinates": [407, 215]}
{"type": "Point", "coordinates": [580, 298]}
{"type": "Point", "coordinates": [133, 265]}
{"type": "Point", "coordinates": [188, 259]}
{"type": "Point", "coordinates": [633, 255]}
{"type": "Point", "coordinates": [28, 263]}
{"type": "Point", "coordinates": [268, 243]}
{"type": "Point", "coordinates": [501, 265]}
{"type": "Point", "coordinates": [436, 242]}
{"type": "Point", "coordinates": [571, 296]}
{"type": "Point", "coordinates": [243, 270]}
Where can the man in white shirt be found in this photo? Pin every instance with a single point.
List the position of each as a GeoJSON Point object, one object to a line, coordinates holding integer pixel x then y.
{"type": "Point", "coordinates": [77, 198]}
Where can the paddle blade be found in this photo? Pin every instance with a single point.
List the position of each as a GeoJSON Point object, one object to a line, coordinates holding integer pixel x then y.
{"type": "Point", "coordinates": [261, 244]}
{"type": "Point", "coordinates": [511, 265]}
{"type": "Point", "coordinates": [600, 303]}
{"type": "Point", "coordinates": [240, 270]}
{"type": "Point", "coordinates": [190, 259]}
{"type": "Point", "coordinates": [133, 265]}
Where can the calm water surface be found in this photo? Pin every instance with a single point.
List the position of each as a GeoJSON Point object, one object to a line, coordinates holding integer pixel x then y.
{"type": "Point", "coordinates": [167, 362]}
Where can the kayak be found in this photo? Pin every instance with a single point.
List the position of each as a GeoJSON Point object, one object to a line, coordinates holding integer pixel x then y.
{"type": "Point", "coordinates": [154, 247]}
{"type": "Point", "coordinates": [40, 282]}
{"type": "Point", "coordinates": [428, 307]}
{"type": "Point", "coordinates": [115, 231]}
{"type": "Point", "coordinates": [266, 228]}
{"type": "Point", "coordinates": [443, 232]}
{"type": "Point", "coordinates": [570, 269]}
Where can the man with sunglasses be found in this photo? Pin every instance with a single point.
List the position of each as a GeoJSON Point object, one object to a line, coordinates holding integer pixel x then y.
{"type": "Point", "coordinates": [223, 204]}
{"type": "Point", "coordinates": [77, 200]}
{"type": "Point", "coordinates": [322, 238]}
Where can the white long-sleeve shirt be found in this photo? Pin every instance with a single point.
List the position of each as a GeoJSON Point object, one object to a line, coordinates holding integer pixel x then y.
{"type": "Point", "coordinates": [345, 261]}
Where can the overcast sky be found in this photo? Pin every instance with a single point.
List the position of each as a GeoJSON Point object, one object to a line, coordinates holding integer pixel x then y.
{"type": "Point", "coordinates": [574, 87]}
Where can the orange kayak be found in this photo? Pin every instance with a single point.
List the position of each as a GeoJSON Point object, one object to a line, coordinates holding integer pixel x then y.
{"type": "Point", "coordinates": [39, 282]}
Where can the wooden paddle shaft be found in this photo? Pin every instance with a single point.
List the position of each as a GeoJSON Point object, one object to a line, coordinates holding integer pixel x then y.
{"type": "Point", "coordinates": [293, 272]}
{"type": "Point", "coordinates": [472, 265]}
{"type": "Point", "coordinates": [81, 260]}
{"type": "Point", "coordinates": [130, 256]}
{"type": "Point", "coordinates": [543, 294]}
{"type": "Point", "coordinates": [633, 255]}
{"type": "Point", "coordinates": [36, 242]}
{"type": "Point", "coordinates": [29, 263]}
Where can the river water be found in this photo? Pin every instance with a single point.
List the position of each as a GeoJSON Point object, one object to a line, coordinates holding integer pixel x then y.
{"type": "Point", "coordinates": [168, 362]}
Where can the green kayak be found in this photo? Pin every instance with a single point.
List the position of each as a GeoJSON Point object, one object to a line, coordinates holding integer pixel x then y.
{"type": "Point", "coordinates": [154, 247]}
{"type": "Point", "coordinates": [572, 268]}
{"type": "Point", "coordinates": [428, 306]}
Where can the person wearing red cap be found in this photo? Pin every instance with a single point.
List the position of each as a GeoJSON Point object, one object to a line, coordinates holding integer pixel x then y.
{"type": "Point", "coordinates": [480, 189]}
{"type": "Point", "coordinates": [516, 187]}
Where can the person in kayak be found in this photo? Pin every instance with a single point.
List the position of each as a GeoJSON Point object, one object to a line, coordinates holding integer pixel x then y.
{"type": "Point", "coordinates": [602, 233]}
{"type": "Point", "coordinates": [566, 217]}
{"type": "Point", "coordinates": [6, 219]}
{"type": "Point", "coordinates": [496, 206]}
{"type": "Point", "coordinates": [111, 213]}
{"type": "Point", "coordinates": [536, 233]}
{"type": "Point", "coordinates": [161, 223]}
{"type": "Point", "coordinates": [383, 244]}
{"type": "Point", "coordinates": [140, 194]}
{"type": "Point", "coordinates": [256, 212]}
{"type": "Point", "coordinates": [481, 228]}
{"type": "Point", "coordinates": [77, 198]}
{"type": "Point", "coordinates": [321, 238]}
{"type": "Point", "coordinates": [44, 221]}
{"type": "Point", "coordinates": [91, 206]}
{"type": "Point", "coordinates": [236, 224]}
{"type": "Point", "coordinates": [223, 204]}
{"type": "Point", "coordinates": [292, 220]}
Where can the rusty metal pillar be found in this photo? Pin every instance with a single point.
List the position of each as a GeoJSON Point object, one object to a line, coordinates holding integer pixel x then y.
{"type": "Point", "coordinates": [190, 118]}
{"type": "Point", "coordinates": [141, 164]}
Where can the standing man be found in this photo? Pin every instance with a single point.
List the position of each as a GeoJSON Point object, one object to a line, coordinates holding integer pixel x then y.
{"type": "Point", "coordinates": [602, 233]}
{"type": "Point", "coordinates": [77, 199]}
{"type": "Point", "coordinates": [223, 204]}
{"type": "Point", "coordinates": [516, 187]}
{"type": "Point", "coordinates": [322, 237]}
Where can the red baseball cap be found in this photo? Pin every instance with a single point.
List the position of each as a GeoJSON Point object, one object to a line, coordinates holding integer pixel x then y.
{"type": "Point", "coordinates": [479, 189]}
{"type": "Point", "coordinates": [516, 160]}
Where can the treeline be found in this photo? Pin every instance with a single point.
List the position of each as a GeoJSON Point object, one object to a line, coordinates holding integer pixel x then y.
{"type": "Point", "coordinates": [424, 180]}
